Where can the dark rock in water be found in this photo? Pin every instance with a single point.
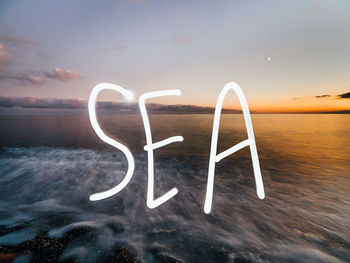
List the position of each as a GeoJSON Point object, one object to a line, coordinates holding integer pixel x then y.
{"type": "Point", "coordinates": [242, 260]}
{"type": "Point", "coordinates": [43, 249]}
{"type": "Point", "coordinates": [121, 255]}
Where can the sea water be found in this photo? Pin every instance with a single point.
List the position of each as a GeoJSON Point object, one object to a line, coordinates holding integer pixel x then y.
{"type": "Point", "coordinates": [50, 162]}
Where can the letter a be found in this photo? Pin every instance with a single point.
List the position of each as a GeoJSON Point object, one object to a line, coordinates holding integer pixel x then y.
{"type": "Point", "coordinates": [150, 146]}
{"type": "Point", "coordinates": [92, 114]}
{"type": "Point", "coordinates": [249, 142]}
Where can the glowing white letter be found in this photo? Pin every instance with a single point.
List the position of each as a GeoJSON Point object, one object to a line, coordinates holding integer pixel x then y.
{"type": "Point", "coordinates": [249, 142]}
{"type": "Point", "coordinates": [92, 114]}
{"type": "Point", "coordinates": [150, 146]}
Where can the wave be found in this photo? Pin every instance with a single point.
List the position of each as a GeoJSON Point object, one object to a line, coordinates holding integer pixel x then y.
{"type": "Point", "coordinates": [44, 199]}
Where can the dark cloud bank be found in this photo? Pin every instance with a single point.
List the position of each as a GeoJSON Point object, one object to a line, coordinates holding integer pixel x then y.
{"type": "Point", "coordinates": [344, 95]}
{"type": "Point", "coordinates": [322, 96]}
{"type": "Point", "coordinates": [340, 96]}
{"type": "Point", "coordinates": [37, 103]}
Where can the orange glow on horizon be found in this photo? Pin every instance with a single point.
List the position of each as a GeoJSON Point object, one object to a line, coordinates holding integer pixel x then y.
{"type": "Point", "coordinates": [304, 105]}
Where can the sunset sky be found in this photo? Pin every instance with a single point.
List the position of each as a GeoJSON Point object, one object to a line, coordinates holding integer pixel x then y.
{"type": "Point", "coordinates": [286, 55]}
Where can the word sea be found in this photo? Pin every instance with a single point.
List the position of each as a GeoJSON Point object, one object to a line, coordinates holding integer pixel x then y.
{"type": "Point", "coordinates": [151, 146]}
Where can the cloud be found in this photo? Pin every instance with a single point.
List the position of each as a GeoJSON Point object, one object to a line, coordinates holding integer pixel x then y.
{"type": "Point", "coordinates": [49, 103]}
{"type": "Point", "coordinates": [18, 44]}
{"type": "Point", "coordinates": [322, 96]}
{"type": "Point", "coordinates": [16, 40]}
{"type": "Point", "coordinates": [63, 75]}
{"type": "Point", "coordinates": [11, 46]}
{"type": "Point", "coordinates": [344, 95]}
{"type": "Point", "coordinates": [6, 57]}
{"type": "Point", "coordinates": [37, 78]}
{"type": "Point", "coordinates": [180, 39]}
{"type": "Point", "coordinates": [25, 79]}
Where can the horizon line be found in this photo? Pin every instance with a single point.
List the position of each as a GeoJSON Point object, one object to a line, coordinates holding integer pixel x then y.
{"type": "Point", "coordinates": [76, 104]}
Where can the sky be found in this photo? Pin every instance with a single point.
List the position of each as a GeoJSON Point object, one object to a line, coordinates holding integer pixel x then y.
{"type": "Point", "coordinates": [285, 55]}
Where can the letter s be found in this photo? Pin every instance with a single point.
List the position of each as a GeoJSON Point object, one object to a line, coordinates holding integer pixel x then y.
{"type": "Point", "coordinates": [93, 120]}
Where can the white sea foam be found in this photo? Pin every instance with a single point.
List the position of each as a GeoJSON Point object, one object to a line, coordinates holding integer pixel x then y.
{"type": "Point", "coordinates": [46, 188]}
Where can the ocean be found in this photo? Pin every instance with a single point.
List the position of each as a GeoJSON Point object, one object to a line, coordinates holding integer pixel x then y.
{"type": "Point", "coordinates": [51, 162]}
